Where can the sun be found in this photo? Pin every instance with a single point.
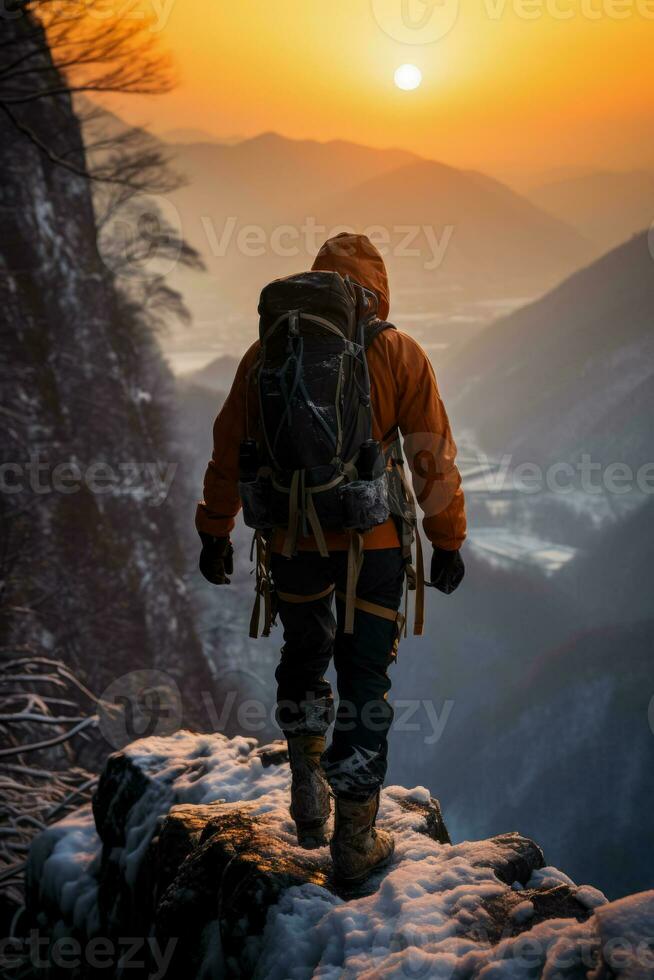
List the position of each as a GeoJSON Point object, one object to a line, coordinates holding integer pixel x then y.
{"type": "Point", "coordinates": [408, 77]}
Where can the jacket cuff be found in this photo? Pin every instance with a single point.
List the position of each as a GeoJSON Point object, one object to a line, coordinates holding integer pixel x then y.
{"type": "Point", "coordinates": [445, 540]}
{"type": "Point", "coordinates": [218, 526]}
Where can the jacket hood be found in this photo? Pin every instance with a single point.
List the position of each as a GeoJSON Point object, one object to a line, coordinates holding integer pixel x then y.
{"type": "Point", "coordinates": [356, 256]}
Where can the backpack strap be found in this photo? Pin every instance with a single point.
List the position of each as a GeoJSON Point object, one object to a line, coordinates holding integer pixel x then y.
{"type": "Point", "coordinates": [383, 612]}
{"type": "Point", "coordinates": [415, 574]}
{"type": "Point", "coordinates": [354, 563]}
{"type": "Point", "coordinates": [419, 613]}
{"type": "Point", "coordinates": [373, 328]}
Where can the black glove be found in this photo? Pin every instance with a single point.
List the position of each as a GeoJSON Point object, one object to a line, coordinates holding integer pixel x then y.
{"type": "Point", "coordinates": [216, 559]}
{"type": "Point", "coordinates": [447, 570]}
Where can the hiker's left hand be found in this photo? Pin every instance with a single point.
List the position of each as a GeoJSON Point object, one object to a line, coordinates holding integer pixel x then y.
{"type": "Point", "coordinates": [447, 570]}
{"type": "Point", "coordinates": [216, 559]}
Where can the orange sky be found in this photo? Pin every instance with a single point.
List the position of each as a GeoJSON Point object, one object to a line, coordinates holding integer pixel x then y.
{"type": "Point", "coordinates": [509, 85]}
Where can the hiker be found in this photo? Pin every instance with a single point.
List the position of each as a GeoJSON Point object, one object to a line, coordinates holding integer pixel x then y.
{"type": "Point", "coordinates": [308, 443]}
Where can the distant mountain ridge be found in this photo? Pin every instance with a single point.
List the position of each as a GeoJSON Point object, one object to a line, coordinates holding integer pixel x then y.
{"type": "Point", "coordinates": [498, 239]}
{"type": "Point", "coordinates": [570, 373]}
{"type": "Point", "coordinates": [261, 179]}
{"type": "Point", "coordinates": [260, 208]}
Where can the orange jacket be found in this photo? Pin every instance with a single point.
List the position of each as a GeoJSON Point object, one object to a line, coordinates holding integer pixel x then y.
{"type": "Point", "coordinates": [404, 395]}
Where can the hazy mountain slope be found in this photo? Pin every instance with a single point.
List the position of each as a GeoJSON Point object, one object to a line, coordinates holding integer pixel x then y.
{"type": "Point", "coordinates": [302, 190]}
{"type": "Point", "coordinates": [613, 580]}
{"type": "Point", "coordinates": [265, 178]}
{"type": "Point", "coordinates": [499, 240]}
{"type": "Point", "coordinates": [571, 757]}
{"type": "Point", "coordinates": [448, 686]}
{"type": "Point", "coordinates": [550, 379]}
{"type": "Point", "coordinates": [260, 208]}
{"type": "Point", "coordinates": [238, 197]}
{"type": "Point", "coordinates": [217, 376]}
{"type": "Point", "coordinates": [605, 207]}
{"type": "Point", "coordinates": [626, 431]}
{"type": "Point", "coordinates": [481, 637]}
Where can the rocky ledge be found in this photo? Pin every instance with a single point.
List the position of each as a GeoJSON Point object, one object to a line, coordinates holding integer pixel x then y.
{"type": "Point", "coordinates": [189, 851]}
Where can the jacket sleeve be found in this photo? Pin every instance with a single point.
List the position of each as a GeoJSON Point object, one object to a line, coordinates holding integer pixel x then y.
{"type": "Point", "coordinates": [429, 447]}
{"type": "Point", "coordinates": [220, 504]}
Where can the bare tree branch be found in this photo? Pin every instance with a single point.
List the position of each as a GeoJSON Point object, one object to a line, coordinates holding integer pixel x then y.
{"type": "Point", "coordinates": [34, 794]}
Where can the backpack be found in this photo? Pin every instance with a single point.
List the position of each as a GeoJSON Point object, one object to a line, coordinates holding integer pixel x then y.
{"type": "Point", "coordinates": [315, 466]}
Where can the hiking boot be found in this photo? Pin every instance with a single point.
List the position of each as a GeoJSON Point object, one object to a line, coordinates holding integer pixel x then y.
{"type": "Point", "coordinates": [310, 806]}
{"type": "Point", "coordinates": [357, 846]}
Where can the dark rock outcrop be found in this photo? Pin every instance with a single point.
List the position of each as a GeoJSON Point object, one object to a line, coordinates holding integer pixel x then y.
{"type": "Point", "coordinates": [511, 857]}
{"type": "Point", "coordinates": [192, 846]}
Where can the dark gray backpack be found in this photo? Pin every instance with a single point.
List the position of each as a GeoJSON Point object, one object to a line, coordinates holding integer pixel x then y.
{"type": "Point", "coordinates": [317, 467]}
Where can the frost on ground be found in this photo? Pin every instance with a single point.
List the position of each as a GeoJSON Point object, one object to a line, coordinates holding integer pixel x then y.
{"type": "Point", "coordinates": [190, 844]}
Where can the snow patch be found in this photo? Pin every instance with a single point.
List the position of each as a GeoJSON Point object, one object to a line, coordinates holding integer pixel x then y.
{"type": "Point", "coordinates": [523, 912]}
{"type": "Point", "coordinates": [549, 878]}
{"type": "Point", "coordinates": [590, 898]}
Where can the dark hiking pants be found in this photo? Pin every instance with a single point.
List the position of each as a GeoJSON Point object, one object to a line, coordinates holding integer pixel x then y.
{"type": "Point", "coordinates": [355, 763]}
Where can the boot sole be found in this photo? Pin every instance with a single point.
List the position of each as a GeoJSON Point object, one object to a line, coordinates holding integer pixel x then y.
{"type": "Point", "coordinates": [365, 874]}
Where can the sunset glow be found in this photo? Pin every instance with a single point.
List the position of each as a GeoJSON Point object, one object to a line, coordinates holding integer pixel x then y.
{"type": "Point", "coordinates": [507, 84]}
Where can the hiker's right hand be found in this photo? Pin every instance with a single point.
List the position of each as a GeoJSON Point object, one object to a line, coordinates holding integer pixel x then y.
{"type": "Point", "coordinates": [216, 559]}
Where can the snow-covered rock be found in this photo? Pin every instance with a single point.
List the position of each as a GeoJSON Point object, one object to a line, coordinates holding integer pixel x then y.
{"type": "Point", "coordinates": [192, 848]}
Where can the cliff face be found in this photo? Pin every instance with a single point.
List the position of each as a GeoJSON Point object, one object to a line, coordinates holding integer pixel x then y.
{"type": "Point", "coordinates": [91, 565]}
{"type": "Point", "coordinates": [190, 851]}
